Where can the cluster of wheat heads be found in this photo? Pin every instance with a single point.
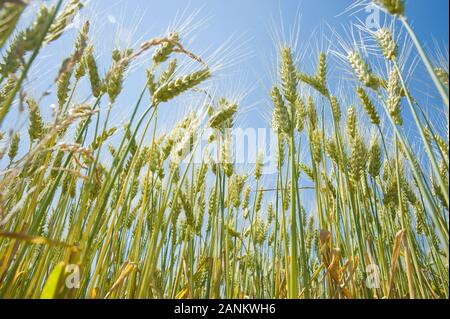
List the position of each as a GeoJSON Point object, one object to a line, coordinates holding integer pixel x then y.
{"type": "Point", "coordinates": [139, 219]}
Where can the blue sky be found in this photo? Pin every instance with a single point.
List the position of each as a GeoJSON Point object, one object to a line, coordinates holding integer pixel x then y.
{"type": "Point", "coordinates": [243, 28]}
{"type": "Point", "coordinates": [247, 25]}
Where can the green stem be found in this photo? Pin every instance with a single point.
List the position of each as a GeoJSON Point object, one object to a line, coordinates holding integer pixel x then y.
{"type": "Point", "coordinates": [5, 108]}
{"type": "Point", "coordinates": [440, 87]}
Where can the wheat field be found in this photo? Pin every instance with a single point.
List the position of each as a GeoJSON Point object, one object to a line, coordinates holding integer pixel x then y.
{"type": "Point", "coordinates": [91, 209]}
